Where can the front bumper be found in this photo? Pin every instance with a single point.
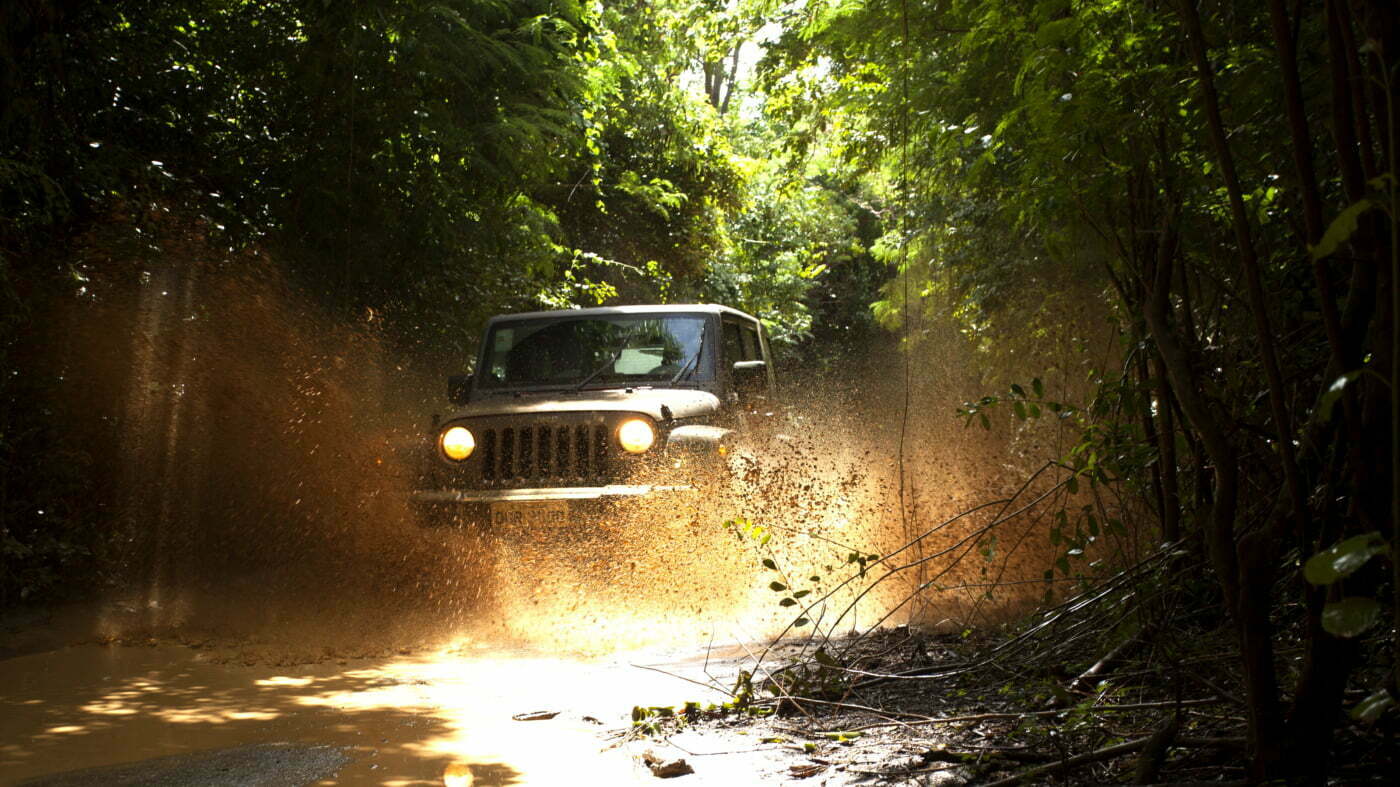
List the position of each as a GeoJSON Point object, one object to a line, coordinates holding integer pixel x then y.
{"type": "Point", "coordinates": [612, 491]}
{"type": "Point", "coordinates": [576, 508]}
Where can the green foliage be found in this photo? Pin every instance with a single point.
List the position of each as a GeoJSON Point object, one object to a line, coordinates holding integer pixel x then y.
{"type": "Point", "coordinates": [662, 719]}
{"type": "Point", "coordinates": [386, 153]}
{"type": "Point", "coordinates": [431, 161]}
{"type": "Point", "coordinates": [1344, 558]}
{"type": "Point", "coordinates": [1369, 710]}
{"type": "Point", "coordinates": [1350, 616]}
{"type": "Point", "coordinates": [1342, 228]}
{"type": "Point", "coordinates": [791, 595]}
{"type": "Point", "coordinates": [791, 231]}
{"type": "Point", "coordinates": [44, 532]}
{"type": "Point", "coordinates": [1063, 180]}
{"type": "Point", "coordinates": [1109, 450]}
{"type": "Point", "coordinates": [47, 505]}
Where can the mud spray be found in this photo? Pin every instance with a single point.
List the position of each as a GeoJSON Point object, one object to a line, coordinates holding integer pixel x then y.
{"type": "Point", "coordinates": [249, 458]}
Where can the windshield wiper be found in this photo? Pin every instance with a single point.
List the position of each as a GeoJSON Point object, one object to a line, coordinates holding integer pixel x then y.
{"type": "Point", "coordinates": [621, 346]}
{"type": "Point", "coordinates": [692, 364]}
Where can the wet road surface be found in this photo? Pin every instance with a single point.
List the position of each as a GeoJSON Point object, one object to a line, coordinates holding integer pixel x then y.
{"type": "Point", "coordinates": [441, 718]}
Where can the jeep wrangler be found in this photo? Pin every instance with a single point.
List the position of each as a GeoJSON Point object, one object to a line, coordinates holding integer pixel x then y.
{"type": "Point", "coordinates": [570, 413]}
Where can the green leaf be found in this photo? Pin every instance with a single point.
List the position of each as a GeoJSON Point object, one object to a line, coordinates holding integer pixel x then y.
{"type": "Point", "coordinates": [777, 587]}
{"type": "Point", "coordinates": [1343, 559]}
{"type": "Point", "coordinates": [1038, 387]}
{"type": "Point", "coordinates": [1072, 484]}
{"type": "Point", "coordinates": [801, 593]}
{"type": "Point", "coordinates": [769, 564]}
{"type": "Point", "coordinates": [986, 422]}
{"type": "Point", "coordinates": [1373, 707]}
{"type": "Point", "coordinates": [1056, 32]}
{"type": "Point", "coordinates": [1341, 229]}
{"type": "Point", "coordinates": [800, 622]}
{"type": "Point", "coordinates": [788, 602]}
{"type": "Point", "coordinates": [1018, 390]}
{"type": "Point", "coordinates": [1020, 410]}
{"type": "Point", "coordinates": [1351, 616]}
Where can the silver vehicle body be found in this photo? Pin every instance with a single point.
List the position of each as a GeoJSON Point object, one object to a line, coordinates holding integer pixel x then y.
{"type": "Point", "coordinates": [547, 447]}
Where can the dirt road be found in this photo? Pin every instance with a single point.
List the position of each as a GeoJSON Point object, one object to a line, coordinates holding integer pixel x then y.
{"type": "Point", "coordinates": [446, 717]}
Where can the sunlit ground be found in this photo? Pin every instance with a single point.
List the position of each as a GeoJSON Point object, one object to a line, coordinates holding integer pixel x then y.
{"type": "Point", "coordinates": [429, 719]}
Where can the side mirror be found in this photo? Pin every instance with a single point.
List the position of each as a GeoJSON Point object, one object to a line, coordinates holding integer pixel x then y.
{"type": "Point", "coordinates": [459, 388]}
{"type": "Point", "coordinates": [750, 378]}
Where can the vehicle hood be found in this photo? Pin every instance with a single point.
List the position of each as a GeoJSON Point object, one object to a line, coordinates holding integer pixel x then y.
{"type": "Point", "coordinates": [682, 402]}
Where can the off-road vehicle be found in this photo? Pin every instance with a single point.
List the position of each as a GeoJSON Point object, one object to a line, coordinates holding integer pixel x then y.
{"type": "Point", "coordinates": [570, 413]}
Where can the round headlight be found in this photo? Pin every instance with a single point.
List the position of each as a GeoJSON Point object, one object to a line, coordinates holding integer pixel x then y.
{"type": "Point", "coordinates": [457, 443]}
{"type": "Point", "coordinates": [636, 436]}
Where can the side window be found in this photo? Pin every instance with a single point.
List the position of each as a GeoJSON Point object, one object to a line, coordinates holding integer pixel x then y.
{"type": "Point", "coordinates": [496, 363]}
{"type": "Point", "coordinates": [752, 349]}
{"type": "Point", "coordinates": [733, 343]}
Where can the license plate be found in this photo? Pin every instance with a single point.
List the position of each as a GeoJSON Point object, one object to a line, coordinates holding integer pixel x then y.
{"type": "Point", "coordinates": [544, 513]}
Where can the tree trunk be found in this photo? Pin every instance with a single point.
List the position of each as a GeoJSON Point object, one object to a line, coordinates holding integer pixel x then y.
{"type": "Point", "coordinates": [1166, 447]}
{"type": "Point", "coordinates": [733, 75]}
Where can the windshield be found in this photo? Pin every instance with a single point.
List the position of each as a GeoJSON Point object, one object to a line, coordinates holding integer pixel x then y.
{"type": "Point", "coordinates": [608, 351]}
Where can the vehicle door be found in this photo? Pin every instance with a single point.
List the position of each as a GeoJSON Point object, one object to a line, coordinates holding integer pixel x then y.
{"type": "Point", "coordinates": [749, 384]}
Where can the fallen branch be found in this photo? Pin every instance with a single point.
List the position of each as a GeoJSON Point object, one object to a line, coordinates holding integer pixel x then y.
{"type": "Point", "coordinates": [1154, 754]}
{"type": "Point", "coordinates": [965, 757]}
{"type": "Point", "coordinates": [1088, 758]}
{"type": "Point", "coordinates": [1110, 660]}
{"type": "Point", "coordinates": [1237, 783]}
{"type": "Point", "coordinates": [1118, 750]}
{"type": "Point", "coordinates": [920, 720]}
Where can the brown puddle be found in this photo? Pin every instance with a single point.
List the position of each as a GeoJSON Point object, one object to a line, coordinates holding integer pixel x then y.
{"type": "Point", "coordinates": [426, 719]}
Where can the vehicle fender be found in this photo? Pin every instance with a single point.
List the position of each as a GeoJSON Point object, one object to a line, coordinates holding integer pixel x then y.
{"type": "Point", "coordinates": [700, 439]}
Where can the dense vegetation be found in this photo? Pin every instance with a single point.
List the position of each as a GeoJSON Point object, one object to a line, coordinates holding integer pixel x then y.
{"type": "Point", "coordinates": [1223, 181]}
{"type": "Point", "coordinates": [1213, 182]}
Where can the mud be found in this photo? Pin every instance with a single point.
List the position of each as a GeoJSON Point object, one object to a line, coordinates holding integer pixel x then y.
{"type": "Point", "coordinates": [242, 766]}
{"type": "Point", "coordinates": [428, 718]}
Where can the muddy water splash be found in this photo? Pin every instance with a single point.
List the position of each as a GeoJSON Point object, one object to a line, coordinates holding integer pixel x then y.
{"type": "Point", "coordinates": [259, 491]}
{"type": "Point", "coordinates": [159, 464]}
{"type": "Point", "coordinates": [257, 481]}
{"type": "Point", "coordinates": [248, 463]}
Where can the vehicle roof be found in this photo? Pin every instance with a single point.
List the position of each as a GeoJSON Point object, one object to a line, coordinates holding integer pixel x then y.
{"type": "Point", "coordinates": [603, 311]}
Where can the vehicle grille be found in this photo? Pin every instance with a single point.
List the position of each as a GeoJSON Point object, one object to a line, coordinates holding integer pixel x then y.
{"type": "Point", "coordinates": [545, 454]}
